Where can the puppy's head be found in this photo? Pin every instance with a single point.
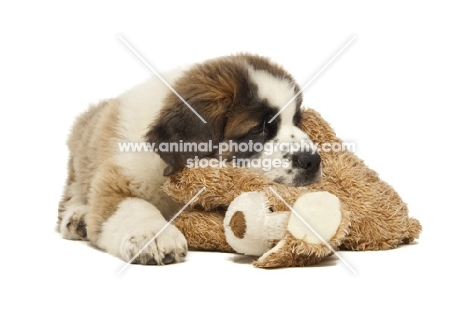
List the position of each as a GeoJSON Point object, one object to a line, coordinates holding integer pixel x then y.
{"type": "Point", "coordinates": [252, 112]}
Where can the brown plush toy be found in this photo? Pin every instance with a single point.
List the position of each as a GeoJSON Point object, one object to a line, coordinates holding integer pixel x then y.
{"type": "Point", "coordinates": [350, 206]}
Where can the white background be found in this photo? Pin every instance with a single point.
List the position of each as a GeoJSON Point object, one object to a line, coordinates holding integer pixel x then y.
{"type": "Point", "coordinates": [398, 92]}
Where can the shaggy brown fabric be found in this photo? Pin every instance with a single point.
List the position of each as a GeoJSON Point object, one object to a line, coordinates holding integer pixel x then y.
{"type": "Point", "coordinates": [203, 230]}
{"type": "Point", "coordinates": [374, 215]}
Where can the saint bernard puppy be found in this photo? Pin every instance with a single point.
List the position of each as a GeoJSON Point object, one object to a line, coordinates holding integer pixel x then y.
{"type": "Point", "coordinates": [113, 198]}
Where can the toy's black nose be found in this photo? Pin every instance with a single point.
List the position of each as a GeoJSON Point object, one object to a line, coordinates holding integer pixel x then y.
{"type": "Point", "coordinates": [307, 161]}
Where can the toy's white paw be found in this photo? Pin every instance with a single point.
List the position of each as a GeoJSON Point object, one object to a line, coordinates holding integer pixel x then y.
{"type": "Point", "coordinates": [316, 218]}
{"type": "Point", "coordinates": [169, 247]}
{"type": "Point", "coordinates": [73, 225]}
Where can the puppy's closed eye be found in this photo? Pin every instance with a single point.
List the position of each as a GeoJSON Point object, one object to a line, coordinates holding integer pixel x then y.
{"type": "Point", "coordinates": [257, 130]}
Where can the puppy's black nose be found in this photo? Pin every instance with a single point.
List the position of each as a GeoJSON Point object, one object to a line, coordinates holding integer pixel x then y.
{"type": "Point", "coordinates": [307, 161]}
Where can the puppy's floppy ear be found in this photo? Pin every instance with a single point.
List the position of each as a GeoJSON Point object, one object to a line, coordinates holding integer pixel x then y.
{"type": "Point", "coordinates": [179, 125]}
{"type": "Point", "coordinates": [210, 89]}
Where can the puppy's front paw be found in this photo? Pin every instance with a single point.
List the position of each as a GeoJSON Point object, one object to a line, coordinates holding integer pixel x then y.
{"type": "Point", "coordinates": [168, 247]}
{"type": "Point", "coordinates": [138, 233]}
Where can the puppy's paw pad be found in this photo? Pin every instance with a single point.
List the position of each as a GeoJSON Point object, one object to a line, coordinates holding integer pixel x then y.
{"type": "Point", "coordinates": [73, 225]}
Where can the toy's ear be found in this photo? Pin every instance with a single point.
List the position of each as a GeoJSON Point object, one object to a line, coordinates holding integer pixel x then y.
{"type": "Point", "coordinates": [238, 224]}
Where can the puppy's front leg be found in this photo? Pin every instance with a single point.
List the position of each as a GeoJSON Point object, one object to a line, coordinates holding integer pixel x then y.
{"type": "Point", "coordinates": [122, 224]}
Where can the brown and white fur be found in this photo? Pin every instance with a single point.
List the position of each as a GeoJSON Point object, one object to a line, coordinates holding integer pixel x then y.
{"type": "Point", "coordinates": [114, 199]}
